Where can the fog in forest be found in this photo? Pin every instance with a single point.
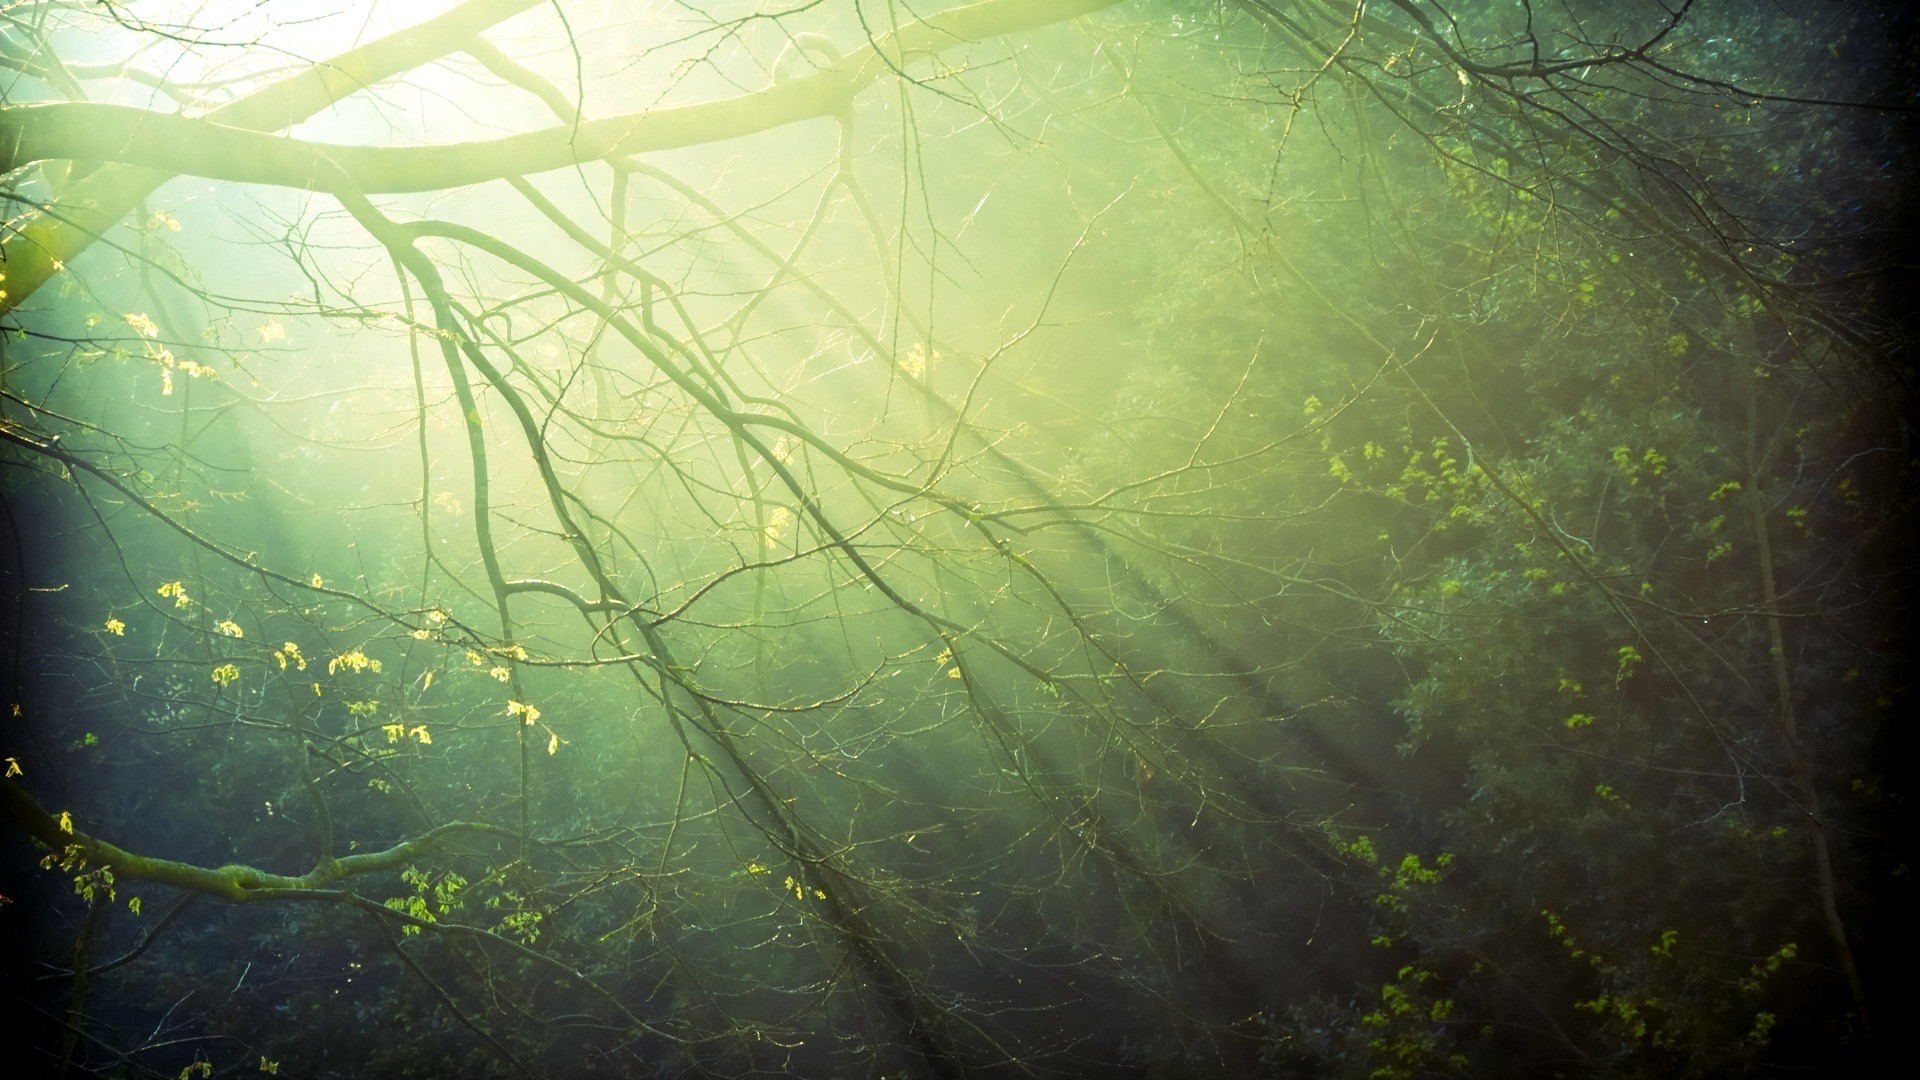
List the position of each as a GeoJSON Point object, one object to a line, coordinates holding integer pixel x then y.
{"type": "Point", "coordinates": [906, 538]}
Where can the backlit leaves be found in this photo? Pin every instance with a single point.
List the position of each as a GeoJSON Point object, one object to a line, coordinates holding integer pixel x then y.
{"type": "Point", "coordinates": [418, 733]}
{"type": "Point", "coordinates": [1630, 660]}
{"type": "Point", "coordinates": [777, 521]}
{"type": "Point", "coordinates": [799, 889]}
{"type": "Point", "coordinates": [355, 660]}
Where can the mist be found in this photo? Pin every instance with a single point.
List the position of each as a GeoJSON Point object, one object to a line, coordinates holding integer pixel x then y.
{"type": "Point", "coordinates": [1025, 537]}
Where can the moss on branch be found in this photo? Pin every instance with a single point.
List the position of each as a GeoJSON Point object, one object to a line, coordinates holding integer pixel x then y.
{"type": "Point", "coordinates": [234, 882]}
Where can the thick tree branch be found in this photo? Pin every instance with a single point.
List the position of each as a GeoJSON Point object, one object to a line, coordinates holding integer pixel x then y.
{"type": "Point", "coordinates": [234, 882]}
{"type": "Point", "coordinates": [217, 149]}
{"type": "Point", "coordinates": [36, 248]}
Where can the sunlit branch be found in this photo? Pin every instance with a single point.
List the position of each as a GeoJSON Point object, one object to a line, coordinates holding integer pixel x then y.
{"type": "Point", "coordinates": [36, 249]}
{"type": "Point", "coordinates": [220, 149]}
{"type": "Point", "coordinates": [237, 883]}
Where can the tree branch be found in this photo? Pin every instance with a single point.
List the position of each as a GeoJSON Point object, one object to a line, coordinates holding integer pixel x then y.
{"type": "Point", "coordinates": [216, 149]}
{"type": "Point", "coordinates": [234, 882]}
{"type": "Point", "coordinates": [87, 209]}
